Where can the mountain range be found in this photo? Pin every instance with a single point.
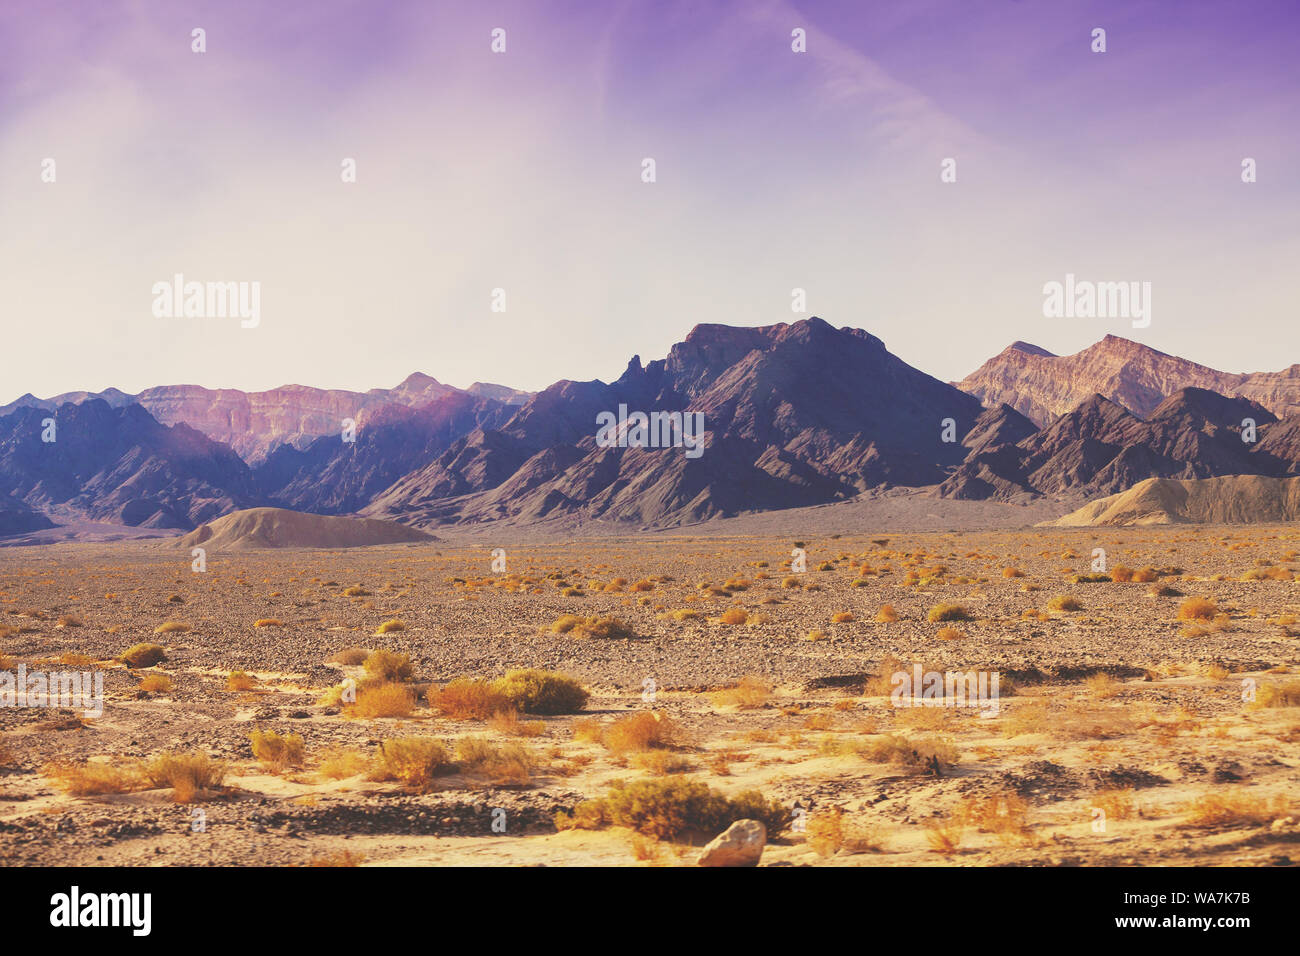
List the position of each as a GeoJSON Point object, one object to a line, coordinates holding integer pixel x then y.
{"type": "Point", "coordinates": [794, 414]}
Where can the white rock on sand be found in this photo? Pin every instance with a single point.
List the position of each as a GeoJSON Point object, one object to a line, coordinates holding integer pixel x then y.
{"type": "Point", "coordinates": [741, 844]}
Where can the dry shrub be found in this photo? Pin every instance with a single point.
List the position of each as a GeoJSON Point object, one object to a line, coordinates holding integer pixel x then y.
{"type": "Point", "coordinates": [886, 614]}
{"type": "Point", "coordinates": [388, 666]}
{"type": "Point", "coordinates": [339, 763]}
{"type": "Point", "coordinates": [643, 730]}
{"type": "Point", "coordinates": [171, 627]}
{"type": "Point", "coordinates": [733, 616]}
{"type": "Point", "coordinates": [277, 752]}
{"type": "Point", "coordinates": [1228, 810]}
{"type": "Point", "coordinates": [948, 612]}
{"type": "Point", "coordinates": [674, 807]}
{"type": "Point", "coordinates": [500, 764]}
{"type": "Point", "coordinates": [819, 722]}
{"type": "Point", "coordinates": [1197, 609]}
{"type": "Point", "coordinates": [660, 763]}
{"type": "Point", "coordinates": [749, 692]}
{"type": "Point", "coordinates": [1278, 695]}
{"type": "Point", "coordinates": [142, 655]}
{"type": "Point", "coordinates": [1065, 602]}
{"type": "Point", "coordinates": [791, 582]}
{"type": "Point", "coordinates": [240, 681]}
{"type": "Point", "coordinates": [268, 622]}
{"type": "Point", "coordinates": [602, 627]}
{"type": "Point", "coordinates": [833, 830]}
{"type": "Point", "coordinates": [881, 683]}
{"type": "Point", "coordinates": [1145, 575]}
{"type": "Point", "coordinates": [1121, 574]}
{"type": "Point", "coordinates": [931, 754]}
{"type": "Point", "coordinates": [588, 730]}
{"type": "Point", "coordinates": [91, 778]}
{"type": "Point", "coordinates": [508, 722]}
{"type": "Point", "coordinates": [1102, 686]}
{"type": "Point", "coordinates": [949, 634]}
{"type": "Point", "coordinates": [186, 774]}
{"type": "Point", "coordinates": [542, 692]}
{"type": "Point", "coordinates": [356, 591]}
{"type": "Point", "coordinates": [350, 656]}
{"type": "Point", "coordinates": [156, 683]}
{"type": "Point", "coordinates": [944, 836]}
{"type": "Point", "coordinates": [686, 614]}
{"type": "Point", "coordinates": [382, 700]}
{"type": "Point", "coordinates": [1116, 803]}
{"type": "Point", "coordinates": [466, 699]}
{"type": "Point", "coordinates": [842, 617]}
{"type": "Point", "coordinates": [1012, 573]}
{"type": "Point", "coordinates": [1002, 814]}
{"type": "Point", "coordinates": [68, 621]}
{"type": "Point", "coordinates": [389, 627]}
{"type": "Point", "coordinates": [411, 761]}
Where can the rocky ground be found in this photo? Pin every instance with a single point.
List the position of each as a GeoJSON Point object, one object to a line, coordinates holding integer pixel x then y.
{"type": "Point", "coordinates": [1118, 705]}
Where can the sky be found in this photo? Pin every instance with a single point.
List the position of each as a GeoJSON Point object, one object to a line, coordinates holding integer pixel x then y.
{"type": "Point", "coordinates": [522, 171]}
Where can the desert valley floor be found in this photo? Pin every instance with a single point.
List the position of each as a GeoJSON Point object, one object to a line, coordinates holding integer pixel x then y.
{"type": "Point", "coordinates": [1147, 717]}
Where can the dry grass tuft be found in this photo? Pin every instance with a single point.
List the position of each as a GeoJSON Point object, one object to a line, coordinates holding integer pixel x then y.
{"type": "Point", "coordinates": [240, 681]}
{"type": "Point", "coordinates": [388, 666]}
{"type": "Point", "coordinates": [412, 762]}
{"type": "Point", "coordinates": [156, 683]}
{"type": "Point", "coordinates": [382, 700]}
{"type": "Point", "coordinates": [466, 699]}
{"type": "Point", "coordinates": [339, 763]}
{"type": "Point", "coordinates": [277, 752]}
{"type": "Point", "coordinates": [833, 830]}
{"type": "Point", "coordinates": [143, 655]}
{"type": "Point", "coordinates": [749, 692]}
{"type": "Point", "coordinates": [186, 774]}
{"type": "Point", "coordinates": [674, 807]}
{"type": "Point", "coordinates": [948, 612]}
{"type": "Point", "coordinates": [1234, 810]}
{"type": "Point", "coordinates": [644, 730]}
{"type": "Point", "coordinates": [1197, 609]}
{"type": "Point", "coordinates": [542, 692]}
{"type": "Point", "coordinates": [93, 778]}
{"type": "Point", "coordinates": [500, 764]}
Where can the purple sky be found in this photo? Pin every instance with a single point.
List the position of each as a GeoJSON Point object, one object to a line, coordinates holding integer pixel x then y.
{"type": "Point", "coordinates": [522, 171]}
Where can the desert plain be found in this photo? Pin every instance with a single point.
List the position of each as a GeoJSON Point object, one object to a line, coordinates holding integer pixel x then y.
{"type": "Point", "coordinates": [352, 706]}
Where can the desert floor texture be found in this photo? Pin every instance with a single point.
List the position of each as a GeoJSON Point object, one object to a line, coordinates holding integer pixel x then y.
{"type": "Point", "coordinates": [1150, 720]}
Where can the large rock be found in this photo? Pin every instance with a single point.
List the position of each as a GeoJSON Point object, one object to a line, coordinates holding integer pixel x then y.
{"type": "Point", "coordinates": [741, 844]}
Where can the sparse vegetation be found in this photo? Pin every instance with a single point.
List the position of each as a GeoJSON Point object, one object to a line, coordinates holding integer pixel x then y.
{"type": "Point", "coordinates": [542, 692]}
{"type": "Point", "coordinates": [674, 807]}
{"type": "Point", "coordinates": [142, 655]}
{"type": "Point", "coordinates": [948, 612]}
{"type": "Point", "coordinates": [277, 752]}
